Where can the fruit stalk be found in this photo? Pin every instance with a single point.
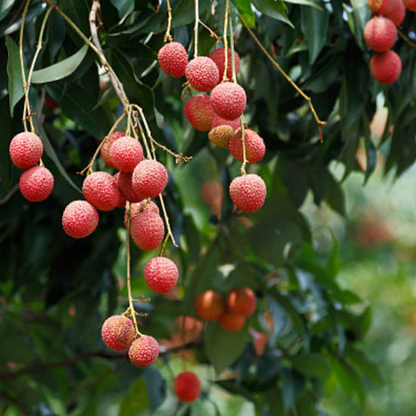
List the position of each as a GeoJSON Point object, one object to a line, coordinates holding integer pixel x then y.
{"type": "Point", "coordinates": [196, 28]}
{"type": "Point", "coordinates": [232, 48]}
{"type": "Point", "coordinates": [168, 36]}
{"type": "Point", "coordinates": [406, 39]}
{"type": "Point", "coordinates": [225, 78]}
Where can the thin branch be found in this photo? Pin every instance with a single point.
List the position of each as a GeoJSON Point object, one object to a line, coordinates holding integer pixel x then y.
{"type": "Point", "coordinates": [211, 32]}
{"type": "Point", "coordinates": [406, 39]}
{"type": "Point", "coordinates": [196, 28]}
{"type": "Point", "coordinates": [7, 198]}
{"type": "Point", "coordinates": [168, 36]}
{"type": "Point", "coordinates": [232, 48]}
{"type": "Point", "coordinates": [14, 402]}
{"type": "Point", "coordinates": [243, 143]}
{"type": "Point", "coordinates": [224, 35]}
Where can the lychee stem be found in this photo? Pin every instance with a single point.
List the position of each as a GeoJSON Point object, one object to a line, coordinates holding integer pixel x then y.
{"type": "Point", "coordinates": [168, 36]}
{"type": "Point", "coordinates": [196, 28]}
{"type": "Point", "coordinates": [212, 33]}
{"type": "Point", "coordinates": [243, 143]}
{"type": "Point", "coordinates": [406, 39]}
{"type": "Point", "coordinates": [232, 48]}
{"type": "Point", "coordinates": [224, 35]}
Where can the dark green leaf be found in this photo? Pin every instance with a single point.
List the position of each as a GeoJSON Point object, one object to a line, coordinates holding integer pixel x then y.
{"type": "Point", "coordinates": [276, 9]}
{"type": "Point", "coordinates": [15, 73]}
{"type": "Point", "coordinates": [244, 8]}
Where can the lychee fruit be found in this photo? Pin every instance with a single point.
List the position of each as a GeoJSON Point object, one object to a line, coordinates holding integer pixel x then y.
{"type": "Point", "coordinates": [218, 56]}
{"type": "Point", "coordinates": [125, 186]}
{"type": "Point", "coordinates": [386, 67]}
{"type": "Point", "coordinates": [187, 387]}
{"type": "Point", "coordinates": [173, 59]}
{"type": "Point", "coordinates": [202, 73]}
{"type": "Point", "coordinates": [79, 219]}
{"type": "Point", "coordinates": [380, 34]}
{"type": "Point", "coordinates": [410, 5]}
{"type": "Point", "coordinates": [147, 230]}
{"type": "Point", "coordinates": [121, 203]}
{"type": "Point", "coordinates": [221, 135]}
{"type": "Point", "coordinates": [229, 100]}
{"type": "Point", "coordinates": [100, 189]}
{"type": "Point", "coordinates": [209, 305]}
{"type": "Point", "coordinates": [150, 178]}
{"type": "Point", "coordinates": [105, 148]}
{"type": "Point", "coordinates": [126, 153]}
{"type": "Point", "coordinates": [199, 112]}
{"type": "Point", "coordinates": [248, 192]}
{"type": "Point", "coordinates": [161, 275]}
{"type": "Point", "coordinates": [231, 322]}
{"type": "Point", "coordinates": [241, 302]}
{"type": "Point", "coordinates": [254, 145]}
{"type": "Point", "coordinates": [118, 333]}
{"type": "Point", "coordinates": [189, 324]}
{"type": "Point", "coordinates": [36, 183]}
{"type": "Point", "coordinates": [219, 121]}
{"type": "Point", "coordinates": [383, 7]}
{"type": "Point", "coordinates": [143, 351]}
{"type": "Point", "coordinates": [25, 150]}
{"type": "Point", "coordinates": [139, 207]}
{"type": "Point", "coordinates": [398, 13]}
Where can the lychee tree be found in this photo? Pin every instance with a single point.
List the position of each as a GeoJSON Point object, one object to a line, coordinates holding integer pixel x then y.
{"type": "Point", "coordinates": [154, 161]}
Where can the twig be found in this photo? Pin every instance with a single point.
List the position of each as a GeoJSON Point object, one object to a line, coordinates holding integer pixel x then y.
{"type": "Point", "coordinates": [212, 33]}
{"type": "Point", "coordinates": [7, 198]}
{"type": "Point", "coordinates": [232, 48]}
{"type": "Point", "coordinates": [224, 35]}
{"type": "Point", "coordinates": [196, 28]}
{"type": "Point", "coordinates": [243, 143]}
{"type": "Point", "coordinates": [406, 39]}
{"type": "Point", "coordinates": [14, 402]}
{"type": "Point", "coordinates": [168, 36]}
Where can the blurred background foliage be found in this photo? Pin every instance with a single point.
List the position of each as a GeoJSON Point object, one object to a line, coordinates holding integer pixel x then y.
{"type": "Point", "coordinates": [331, 264]}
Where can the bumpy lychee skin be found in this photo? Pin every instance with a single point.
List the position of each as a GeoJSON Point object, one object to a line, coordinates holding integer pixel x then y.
{"type": "Point", "coordinates": [143, 351]}
{"type": "Point", "coordinates": [218, 56]}
{"type": "Point", "coordinates": [118, 333]}
{"type": "Point", "coordinates": [25, 150]}
{"type": "Point", "coordinates": [105, 148]}
{"type": "Point", "coordinates": [209, 305]}
{"type": "Point", "coordinates": [126, 153]}
{"type": "Point", "coordinates": [221, 135]}
{"type": "Point", "coordinates": [199, 112]}
{"type": "Point", "coordinates": [173, 59]}
{"type": "Point", "coordinates": [410, 5]}
{"type": "Point", "coordinates": [202, 73]}
{"type": "Point", "coordinates": [248, 192]}
{"type": "Point", "coordinates": [241, 302]}
{"type": "Point", "coordinates": [150, 178]}
{"type": "Point", "coordinates": [79, 219]}
{"type": "Point", "coordinates": [398, 13]}
{"type": "Point", "coordinates": [231, 322]}
{"type": "Point", "coordinates": [219, 121]}
{"type": "Point", "coordinates": [187, 387]}
{"type": "Point", "coordinates": [139, 207]}
{"type": "Point", "coordinates": [380, 33]}
{"type": "Point", "coordinates": [161, 275]}
{"type": "Point", "coordinates": [383, 7]}
{"type": "Point", "coordinates": [254, 144]}
{"type": "Point", "coordinates": [36, 184]}
{"type": "Point", "coordinates": [147, 230]}
{"type": "Point", "coordinates": [100, 189]}
{"type": "Point", "coordinates": [125, 186]}
{"type": "Point", "coordinates": [386, 67]}
{"type": "Point", "coordinates": [229, 100]}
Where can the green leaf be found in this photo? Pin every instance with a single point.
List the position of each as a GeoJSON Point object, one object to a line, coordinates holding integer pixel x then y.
{"type": "Point", "coordinates": [5, 7]}
{"type": "Point", "coordinates": [312, 365]}
{"type": "Point", "coordinates": [124, 7]}
{"type": "Point", "coordinates": [14, 73]}
{"type": "Point", "coordinates": [311, 3]}
{"type": "Point", "coordinates": [306, 407]}
{"type": "Point", "coordinates": [61, 69]}
{"type": "Point", "coordinates": [56, 34]}
{"type": "Point", "coordinates": [244, 8]}
{"type": "Point", "coordinates": [6, 131]}
{"type": "Point", "coordinates": [136, 400]}
{"type": "Point", "coordinates": [275, 9]}
{"type": "Point", "coordinates": [358, 360]}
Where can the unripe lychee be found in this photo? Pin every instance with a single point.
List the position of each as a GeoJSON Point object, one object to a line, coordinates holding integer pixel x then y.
{"type": "Point", "coordinates": [229, 100]}
{"type": "Point", "coordinates": [386, 67]}
{"type": "Point", "coordinates": [118, 333]}
{"type": "Point", "coordinates": [150, 178]}
{"type": "Point", "coordinates": [209, 305]}
{"type": "Point", "coordinates": [139, 207]}
{"type": "Point", "coordinates": [221, 135]}
{"type": "Point", "coordinates": [144, 351]}
{"type": "Point", "coordinates": [25, 150]}
{"type": "Point", "coordinates": [248, 192]}
{"type": "Point", "coordinates": [398, 13]}
{"type": "Point", "coordinates": [219, 121]}
{"type": "Point", "coordinates": [173, 59]}
{"type": "Point", "coordinates": [105, 148]}
{"type": "Point", "coordinates": [79, 219]}
{"type": "Point", "coordinates": [410, 5]}
{"type": "Point", "coordinates": [241, 302]}
{"type": "Point", "coordinates": [126, 153]}
{"type": "Point", "coordinates": [199, 112]}
{"type": "Point", "coordinates": [36, 183]}
{"type": "Point", "coordinates": [147, 230]}
{"type": "Point", "coordinates": [161, 275]}
{"type": "Point", "coordinates": [187, 387]}
{"type": "Point", "coordinates": [231, 322]}
{"type": "Point", "coordinates": [381, 6]}
{"type": "Point", "coordinates": [100, 189]}
{"type": "Point", "coordinates": [254, 145]}
{"type": "Point", "coordinates": [380, 33]}
{"type": "Point", "coordinates": [125, 186]}
{"type": "Point", "coordinates": [202, 73]}
{"type": "Point", "coordinates": [218, 56]}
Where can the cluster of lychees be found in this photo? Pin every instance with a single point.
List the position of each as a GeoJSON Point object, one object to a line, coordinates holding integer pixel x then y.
{"type": "Point", "coordinates": [220, 113]}
{"type": "Point", "coordinates": [380, 34]}
{"type": "Point", "coordinates": [230, 313]}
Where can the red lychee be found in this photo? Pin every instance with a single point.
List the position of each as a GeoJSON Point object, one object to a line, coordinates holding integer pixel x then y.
{"type": "Point", "coordinates": [126, 153]}
{"type": "Point", "coordinates": [25, 150]}
{"type": "Point", "coordinates": [381, 6]}
{"type": "Point", "coordinates": [150, 178]}
{"type": "Point", "coordinates": [125, 186]}
{"type": "Point", "coordinates": [221, 135]}
{"type": "Point", "coordinates": [187, 387]}
{"type": "Point", "coordinates": [143, 351]}
{"type": "Point", "coordinates": [229, 100]}
{"type": "Point", "coordinates": [161, 275]}
{"type": "Point", "coordinates": [231, 322]}
{"type": "Point", "coordinates": [202, 73]}
{"type": "Point", "coordinates": [173, 59]}
{"type": "Point", "coordinates": [219, 121]}
{"type": "Point", "coordinates": [380, 33]}
{"type": "Point", "coordinates": [36, 183]}
{"type": "Point", "coordinates": [199, 112]}
{"type": "Point", "coordinates": [105, 148]}
{"type": "Point", "coordinates": [398, 13]}
{"type": "Point", "coordinates": [147, 230]}
{"type": "Point", "coordinates": [209, 305]}
{"type": "Point", "coordinates": [241, 302]}
{"type": "Point", "coordinates": [80, 219]}
{"type": "Point", "coordinates": [118, 333]}
{"type": "Point", "coordinates": [410, 5]}
{"type": "Point", "coordinates": [100, 189]}
{"type": "Point", "coordinates": [254, 144]}
{"type": "Point", "coordinates": [386, 67]}
{"type": "Point", "coordinates": [248, 192]}
{"type": "Point", "coordinates": [139, 207]}
{"type": "Point", "coordinates": [218, 56]}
